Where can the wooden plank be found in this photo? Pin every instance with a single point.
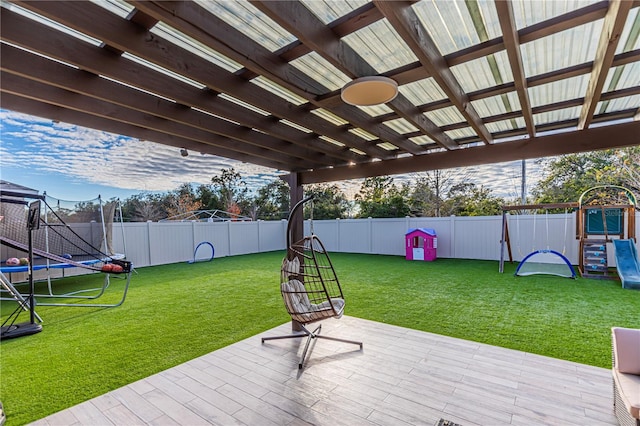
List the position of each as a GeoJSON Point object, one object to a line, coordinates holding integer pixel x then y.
{"type": "Point", "coordinates": [301, 22]}
{"type": "Point", "coordinates": [512, 44]}
{"type": "Point", "coordinates": [124, 35]}
{"type": "Point", "coordinates": [404, 20]}
{"type": "Point", "coordinates": [606, 137]}
{"type": "Point", "coordinates": [612, 28]}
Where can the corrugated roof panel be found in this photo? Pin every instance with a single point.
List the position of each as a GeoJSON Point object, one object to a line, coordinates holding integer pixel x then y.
{"type": "Point", "coordinates": [318, 68]}
{"type": "Point", "coordinates": [544, 55]}
{"type": "Point", "coordinates": [422, 91]}
{"type": "Point", "coordinates": [117, 7]}
{"type": "Point", "coordinates": [506, 125]}
{"type": "Point", "coordinates": [189, 44]}
{"type": "Point", "coordinates": [363, 134]}
{"type": "Point", "coordinates": [621, 104]}
{"type": "Point", "coordinates": [329, 116]}
{"type": "Point", "coordinates": [623, 77]}
{"type": "Point", "coordinates": [295, 126]}
{"type": "Point", "coordinates": [278, 90]}
{"type": "Point", "coordinates": [401, 126]}
{"type": "Point", "coordinates": [388, 146]}
{"type": "Point", "coordinates": [332, 141]}
{"type": "Point", "coordinates": [558, 91]}
{"type": "Point", "coordinates": [527, 12]}
{"type": "Point", "coordinates": [329, 11]}
{"type": "Point", "coordinates": [442, 117]}
{"type": "Point", "coordinates": [376, 110]}
{"type": "Point", "coordinates": [483, 72]}
{"type": "Point", "coordinates": [496, 105]}
{"type": "Point", "coordinates": [422, 140]}
{"type": "Point", "coordinates": [630, 37]}
{"type": "Point", "coordinates": [451, 24]}
{"type": "Point", "coordinates": [247, 19]}
{"type": "Point", "coordinates": [50, 23]}
{"type": "Point", "coordinates": [165, 71]}
{"type": "Point", "coordinates": [244, 104]}
{"type": "Point", "coordinates": [557, 115]}
{"type": "Point", "coordinates": [465, 132]}
{"type": "Point", "coordinates": [380, 46]}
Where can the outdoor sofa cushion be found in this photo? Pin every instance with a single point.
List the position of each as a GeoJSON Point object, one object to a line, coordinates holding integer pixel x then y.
{"type": "Point", "coordinates": [627, 350]}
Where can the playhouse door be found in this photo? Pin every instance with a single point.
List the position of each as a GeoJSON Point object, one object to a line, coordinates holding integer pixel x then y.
{"type": "Point", "coordinates": [418, 253]}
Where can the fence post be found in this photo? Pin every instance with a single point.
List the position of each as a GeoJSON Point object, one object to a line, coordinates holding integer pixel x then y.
{"type": "Point", "coordinates": [452, 230]}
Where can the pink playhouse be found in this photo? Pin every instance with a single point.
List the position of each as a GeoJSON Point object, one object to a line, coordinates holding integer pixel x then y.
{"type": "Point", "coordinates": [421, 244]}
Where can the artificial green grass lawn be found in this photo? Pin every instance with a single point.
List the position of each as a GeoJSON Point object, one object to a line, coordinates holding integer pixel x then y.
{"type": "Point", "coordinates": [177, 312]}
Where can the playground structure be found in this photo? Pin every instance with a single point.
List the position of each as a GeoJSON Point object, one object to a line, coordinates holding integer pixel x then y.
{"type": "Point", "coordinates": [71, 238]}
{"type": "Point", "coordinates": [605, 219]}
{"type": "Point", "coordinates": [207, 216]}
{"type": "Point", "coordinates": [545, 261]}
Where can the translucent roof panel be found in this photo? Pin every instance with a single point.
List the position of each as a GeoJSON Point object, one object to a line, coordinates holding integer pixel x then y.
{"type": "Point", "coordinates": [465, 132]}
{"type": "Point", "coordinates": [543, 55]}
{"type": "Point", "coordinates": [332, 141]}
{"type": "Point", "coordinates": [454, 26]}
{"type": "Point", "coordinates": [422, 140]}
{"type": "Point", "coordinates": [52, 24]}
{"type": "Point", "coordinates": [496, 105]}
{"type": "Point", "coordinates": [527, 12]}
{"type": "Point", "coordinates": [329, 116]}
{"type": "Point", "coordinates": [401, 126]}
{"type": "Point", "coordinates": [363, 134]}
{"type": "Point", "coordinates": [387, 146]}
{"type": "Point", "coordinates": [558, 91]}
{"type": "Point", "coordinates": [246, 18]}
{"type": "Point", "coordinates": [630, 37]}
{"type": "Point", "coordinates": [483, 72]}
{"type": "Point", "coordinates": [557, 115]}
{"type": "Point", "coordinates": [165, 71]}
{"type": "Point", "coordinates": [295, 126]}
{"type": "Point", "coordinates": [623, 77]}
{"type": "Point", "coordinates": [444, 116]}
{"type": "Point", "coordinates": [189, 44]}
{"type": "Point", "coordinates": [620, 104]}
{"type": "Point", "coordinates": [422, 91]}
{"type": "Point", "coordinates": [506, 125]}
{"type": "Point", "coordinates": [329, 11]}
{"type": "Point", "coordinates": [376, 110]}
{"type": "Point", "coordinates": [244, 104]}
{"type": "Point", "coordinates": [276, 89]}
{"type": "Point", "coordinates": [318, 68]}
{"type": "Point", "coordinates": [381, 46]}
{"type": "Point", "coordinates": [117, 7]}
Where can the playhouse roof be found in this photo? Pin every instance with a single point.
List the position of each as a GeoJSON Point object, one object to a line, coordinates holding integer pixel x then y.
{"type": "Point", "coordinates": [427, 231]}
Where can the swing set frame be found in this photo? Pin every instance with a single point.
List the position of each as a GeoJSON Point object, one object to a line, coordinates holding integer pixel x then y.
{"type": "Point", "coordinates": [505, 239]}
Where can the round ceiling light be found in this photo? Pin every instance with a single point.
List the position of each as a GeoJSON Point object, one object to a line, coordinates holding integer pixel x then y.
{"type": "Point", "coordinates": [367, 91]}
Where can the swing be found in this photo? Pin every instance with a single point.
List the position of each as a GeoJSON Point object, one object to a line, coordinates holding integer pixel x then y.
{"type": "Point", "coordinates": [309, 285]}
{"type": "Point", "coordinates": [545, 261]}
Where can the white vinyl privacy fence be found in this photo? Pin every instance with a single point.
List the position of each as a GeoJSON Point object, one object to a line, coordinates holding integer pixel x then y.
{"type": "Point", "coordinates": [156, 243]}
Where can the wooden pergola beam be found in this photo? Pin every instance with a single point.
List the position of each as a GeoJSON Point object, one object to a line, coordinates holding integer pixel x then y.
{"type": "Point", "coordinates": [612, 28]}
{"type": "Point", "coordinates": [298, 20]}
{"type": "Point", "coordinates": [404, 20]}
{"type": "Point", "coordinates": [124, 35]}
{"type": "Point", "coordinates": [605, 137]}
{"type": "Point", "coordinates": [512, 45]}
{"type": "Point", "coordinates": [56, 113]}
{"type": "Point", "coordinates": [33, 90]}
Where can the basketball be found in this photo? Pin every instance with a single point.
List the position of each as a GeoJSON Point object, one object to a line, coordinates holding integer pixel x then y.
{"type": "Point", "coordinates": [13, 261]}
{"type": "Point", "coordinates": [24, 261]}
{"type": "Point", "coordinates": [117, 269]}
{"type": "Point", "coordinates": [107, 267]}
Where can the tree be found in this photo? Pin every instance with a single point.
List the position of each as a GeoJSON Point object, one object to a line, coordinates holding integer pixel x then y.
{"type": "Point", "coordinates": [379, 197]}
{"type": "Point", "coordinates": [232, 190]}
{"type": "Point", "coordinates": [271, 201]}
{"type": "Point", "coordinates": [467, 199]}
{"type": "Point", "coordinates": [143, 207]}
{"type": "Point", "coordinates": [570, 175]}
{"type": "Point", "coordinates": [429, 191]}
{"type": "Point", "coordinates": [329, 202]}
{"type": "Point", "coordinates": [182, 200]}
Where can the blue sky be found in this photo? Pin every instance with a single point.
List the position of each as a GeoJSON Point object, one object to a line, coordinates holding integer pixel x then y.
{"type": "Point", "coordinates": [74, 163]}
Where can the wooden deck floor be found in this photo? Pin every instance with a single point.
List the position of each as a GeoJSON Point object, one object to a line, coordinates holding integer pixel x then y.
{"type": "Point", "coordinates": [401, 377]}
